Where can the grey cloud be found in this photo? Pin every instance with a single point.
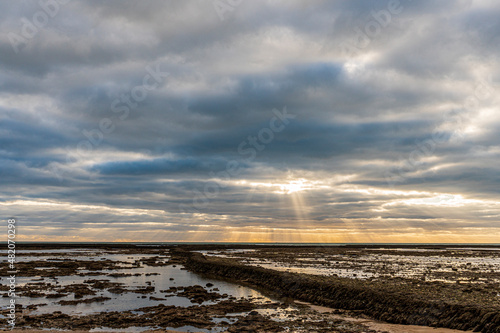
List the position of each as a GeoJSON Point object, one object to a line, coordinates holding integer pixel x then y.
{"type": "Point", "coordinates": [358, 117]}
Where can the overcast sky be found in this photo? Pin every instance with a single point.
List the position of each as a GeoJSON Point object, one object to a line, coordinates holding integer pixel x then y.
{"type": "Point", "coordinates": [266, 121]}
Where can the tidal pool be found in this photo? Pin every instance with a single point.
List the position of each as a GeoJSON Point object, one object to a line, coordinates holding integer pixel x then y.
{"type": "Point", "coordinates": [161, 278]}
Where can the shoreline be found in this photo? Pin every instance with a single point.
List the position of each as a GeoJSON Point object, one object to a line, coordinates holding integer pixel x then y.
{"type": "Point", "coordinates": [419, 305]}
{"type": "Point", "coordinates": [384, 304]}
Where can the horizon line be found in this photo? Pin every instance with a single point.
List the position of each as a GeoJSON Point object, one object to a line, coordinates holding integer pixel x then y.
{"type": "Point", "coordinates": [239, 243]}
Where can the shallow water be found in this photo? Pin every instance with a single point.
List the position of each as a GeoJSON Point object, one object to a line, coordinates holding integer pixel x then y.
{"type": "Point", "coordinates": [167, 276]}
{"type": "Point", "coordinates": [454, 264]}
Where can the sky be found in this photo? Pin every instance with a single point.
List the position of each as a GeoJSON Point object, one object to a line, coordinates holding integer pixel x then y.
{"type": "Point", "coordinates": [251, 121]}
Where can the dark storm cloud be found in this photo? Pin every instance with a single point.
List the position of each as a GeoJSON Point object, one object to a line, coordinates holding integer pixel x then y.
{"type": "Point", "coordinates": [416, 102]}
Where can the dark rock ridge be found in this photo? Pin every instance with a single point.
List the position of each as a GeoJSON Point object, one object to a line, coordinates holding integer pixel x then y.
{"type": "Point", "coordinates": [390, 300]}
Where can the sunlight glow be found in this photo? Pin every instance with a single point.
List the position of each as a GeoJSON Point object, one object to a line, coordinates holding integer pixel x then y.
{"type": "Point", "coordinates": [442, 200]}
{"type": "Point", "coordinates": [294, 186]}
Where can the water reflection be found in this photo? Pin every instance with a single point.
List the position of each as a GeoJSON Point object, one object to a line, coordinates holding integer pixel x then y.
{"type": "Point", "coordinates": [161, 278]}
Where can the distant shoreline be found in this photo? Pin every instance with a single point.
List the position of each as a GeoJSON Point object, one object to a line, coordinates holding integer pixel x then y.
{"type": "Point", "coordinates": [256, 244]}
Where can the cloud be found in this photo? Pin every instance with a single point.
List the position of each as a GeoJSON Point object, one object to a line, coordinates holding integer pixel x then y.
{"type": "Point", "coordinates": [395, 140]}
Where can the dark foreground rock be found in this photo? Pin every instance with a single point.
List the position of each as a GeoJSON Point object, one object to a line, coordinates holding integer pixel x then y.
{"type": "Point", "coordinates": [158, 316]}
{"type": "Point", "coordinates": [391, 300]}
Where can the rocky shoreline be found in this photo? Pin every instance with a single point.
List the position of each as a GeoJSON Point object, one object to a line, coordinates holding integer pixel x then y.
{"type": "Point", "coordinates": [393, 301]}
{"type": "Point", "coordinates": [57, 293]}
{"type": "Point", "coordinates": [200, 287]}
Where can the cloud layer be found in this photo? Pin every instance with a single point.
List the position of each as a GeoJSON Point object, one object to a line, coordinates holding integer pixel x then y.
{"type": "Point", "coordinates": [283, 121]}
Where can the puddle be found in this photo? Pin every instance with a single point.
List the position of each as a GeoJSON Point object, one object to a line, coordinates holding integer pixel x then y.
{"type": "Point", "coordinates": [279, 314]}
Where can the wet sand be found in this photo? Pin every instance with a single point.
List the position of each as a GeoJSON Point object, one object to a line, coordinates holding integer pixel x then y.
{"type": "Point", "coordinates": [381, 326]}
